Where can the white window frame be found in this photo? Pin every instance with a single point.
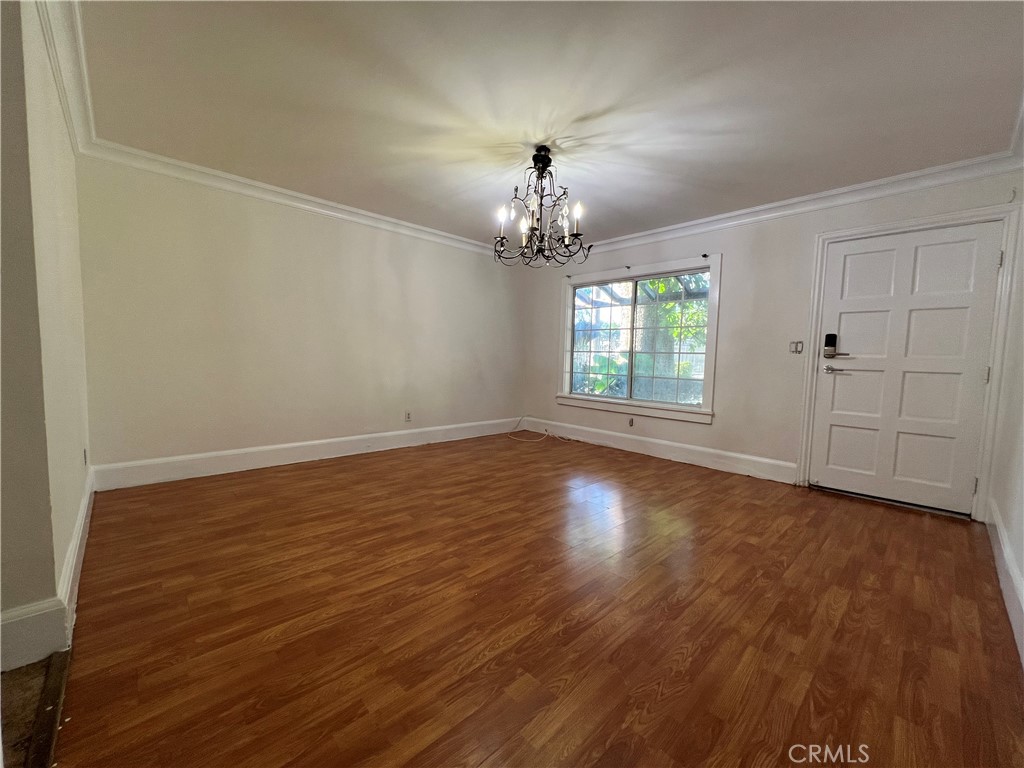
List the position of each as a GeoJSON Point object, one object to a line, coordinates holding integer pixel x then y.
{"type": "Point", "coordinates": [702, 415]}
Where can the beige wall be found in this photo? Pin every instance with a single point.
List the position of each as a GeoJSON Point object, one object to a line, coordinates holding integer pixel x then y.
{"type": "Point", "coordinates": [25, 532]}
{"type": "Point", "coordinates": [219, 321]}
{"type": "Point", "coordinates": [204, 307]}
{"type": "Point", "coordinates": [1008, 464]}
{"type": "Point", "coordinates": [1006, 493]}
{"type": "Point", "coordinates": [764, 303]}
{"type": "Point", "coordinates": [59, 285]}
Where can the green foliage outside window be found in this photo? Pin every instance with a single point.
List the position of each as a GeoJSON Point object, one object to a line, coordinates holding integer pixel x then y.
{"type": "Point", "coordinates": [660, 322]}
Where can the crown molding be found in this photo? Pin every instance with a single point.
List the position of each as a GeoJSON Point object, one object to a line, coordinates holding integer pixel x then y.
{"type": "Point", "coordinates": [62, 30]}
{"type": "Point", "coordinates": [965, 170]}
{"type": "Point", "coordinates": [101, 149]}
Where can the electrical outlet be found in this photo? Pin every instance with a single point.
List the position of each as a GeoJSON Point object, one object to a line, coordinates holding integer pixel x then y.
{"type": "Point", "coordinates": [408, 415]}
{"type": "Point", "coordinates": [796, 347]}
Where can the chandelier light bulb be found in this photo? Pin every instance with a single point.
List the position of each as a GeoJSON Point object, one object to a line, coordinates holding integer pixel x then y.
{"type": "Point", "coordinates": [577, 213]}
{"type": "Point", "coordinates": [501, 222]}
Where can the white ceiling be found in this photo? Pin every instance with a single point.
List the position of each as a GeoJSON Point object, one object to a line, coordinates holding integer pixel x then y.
{"type": "Point", "coordinates": [658, 113]}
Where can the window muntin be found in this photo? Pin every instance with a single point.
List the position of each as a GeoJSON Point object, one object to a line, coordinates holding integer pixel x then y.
{"type": "Point", "coordinates": [642, 340]}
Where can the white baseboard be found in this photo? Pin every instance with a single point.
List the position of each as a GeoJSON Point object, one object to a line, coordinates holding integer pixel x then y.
{"type": "Point", "coordinates": [1010, 579]}
{"type": "Point", "coordinates": [32, 632]}
{"type": "Point", "coordinates": [71, 571]}
{"type": "Point", "coordinates": [738, 463]}
{"type": "Point", "coordinates": [133, 473]}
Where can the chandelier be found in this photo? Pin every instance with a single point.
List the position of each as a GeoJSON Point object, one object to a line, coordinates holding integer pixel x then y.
{"type": "Point", "coordinates": [544, 228]}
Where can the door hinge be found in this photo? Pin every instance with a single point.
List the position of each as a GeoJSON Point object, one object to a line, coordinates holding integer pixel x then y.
{"type": "Point", "coordinates": [975, 485]}
{"type": "Point", "coordinates": [988, 373]}
{"type": "Point", "coordinates": [1002, 254]}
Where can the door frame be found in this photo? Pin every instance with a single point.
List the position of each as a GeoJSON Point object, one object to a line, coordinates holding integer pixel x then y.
{"type": "Point", "coordinates": [1009, 215]}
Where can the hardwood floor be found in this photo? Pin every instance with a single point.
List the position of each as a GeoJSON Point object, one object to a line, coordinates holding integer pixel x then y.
{"type": "Point", "coordinates": [500, 603]}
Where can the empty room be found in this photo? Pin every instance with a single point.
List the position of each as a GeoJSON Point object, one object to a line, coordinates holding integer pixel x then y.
{"type": "Point", "coordinates": [619, 384]}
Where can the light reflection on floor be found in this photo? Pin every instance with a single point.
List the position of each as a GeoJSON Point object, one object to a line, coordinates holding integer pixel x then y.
{"type": "Point", "coordinates": [594, 515]}
{"type": "Point", "coordinates": [603, 521]}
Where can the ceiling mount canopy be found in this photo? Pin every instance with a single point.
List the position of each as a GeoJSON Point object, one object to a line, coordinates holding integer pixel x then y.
{"type": "Point", "coordinates": [544, 224]}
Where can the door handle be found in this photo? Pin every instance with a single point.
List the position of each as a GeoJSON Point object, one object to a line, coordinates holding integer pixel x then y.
{"type": "Point", "coordinates": [830, 369]}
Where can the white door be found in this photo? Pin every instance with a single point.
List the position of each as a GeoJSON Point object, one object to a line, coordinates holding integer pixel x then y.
{"type": "Point", "coordinates": [900, 416]}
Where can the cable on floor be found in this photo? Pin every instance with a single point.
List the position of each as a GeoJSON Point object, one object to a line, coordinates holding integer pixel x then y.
{"type": "Point", "coordinates": [546, 435]}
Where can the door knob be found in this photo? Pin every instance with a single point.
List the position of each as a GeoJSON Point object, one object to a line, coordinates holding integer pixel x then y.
{"type": "Point", "coordinates": [830, 369]}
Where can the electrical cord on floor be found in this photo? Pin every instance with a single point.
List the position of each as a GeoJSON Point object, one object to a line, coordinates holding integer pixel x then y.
{"type": "Point", "coordinates": [511, 435]}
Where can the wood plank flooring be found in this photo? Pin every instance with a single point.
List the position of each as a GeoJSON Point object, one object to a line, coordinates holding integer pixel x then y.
{"type": "Point", "coordinates": [498, 603]}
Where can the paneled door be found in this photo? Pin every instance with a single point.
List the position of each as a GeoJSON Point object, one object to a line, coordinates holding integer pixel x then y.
{"type": "Point", "coordinates": [898, 410]}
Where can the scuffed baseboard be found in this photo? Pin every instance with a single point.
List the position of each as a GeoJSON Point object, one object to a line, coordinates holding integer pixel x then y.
{"type": "Point", "coordinates": [32, 632]}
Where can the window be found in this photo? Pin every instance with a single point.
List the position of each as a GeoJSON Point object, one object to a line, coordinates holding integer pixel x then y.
{"type": "Point", "coordinates": [644, 344]}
